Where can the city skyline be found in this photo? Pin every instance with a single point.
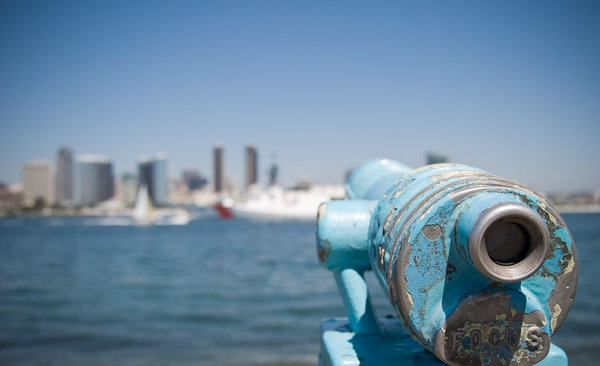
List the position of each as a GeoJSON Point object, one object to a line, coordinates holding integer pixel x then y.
{"type": "Point", "coordinates": [508, 88]}
{"type": "Point", "coordinates": [62, 169]}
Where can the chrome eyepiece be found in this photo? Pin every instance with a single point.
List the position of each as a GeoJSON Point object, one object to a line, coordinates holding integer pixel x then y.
{"type": "Point", "coordinates": [509, 242]}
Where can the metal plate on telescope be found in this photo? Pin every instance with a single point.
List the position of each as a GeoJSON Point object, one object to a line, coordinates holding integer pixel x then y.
{"type": "Point", "coordinates": [486, 329]}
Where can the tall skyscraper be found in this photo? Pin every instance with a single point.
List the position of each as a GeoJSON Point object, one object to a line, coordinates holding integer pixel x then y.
{"type": "Point", "coordinates": [159, 179]}
{"type": "Point", "coordinates": [128, 189]}
{"type": "Point", "coordinates": [94, 180]}
{"type": "Point", "coordinates": [251, 165]}
{"type": "Point", "coordinates": [145, 174]}
{"type": "Point", "coordinates": [64, 177]}
{"type": "Point", "coordinates": [152, 172]}
{"type": "Point", "coordinates": [218, 166]}
{"type": "Point", "coordinates": [433, 158]}
{"type": "Point", "coordinates": [38, 182]}
{"type": "Point", "coordinates": [193, 180]}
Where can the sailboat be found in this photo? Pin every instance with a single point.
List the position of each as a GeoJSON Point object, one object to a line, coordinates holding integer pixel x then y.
{"type": "Point", "coordinates": [143, 214]}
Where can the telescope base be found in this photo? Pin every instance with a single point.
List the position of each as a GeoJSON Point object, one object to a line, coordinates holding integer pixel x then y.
{"type": "Point", "coordinates": [393, 346]}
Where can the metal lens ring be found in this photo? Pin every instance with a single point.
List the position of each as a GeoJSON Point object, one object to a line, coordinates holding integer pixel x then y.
{"type": "Point", "coordinates": [509, 242]}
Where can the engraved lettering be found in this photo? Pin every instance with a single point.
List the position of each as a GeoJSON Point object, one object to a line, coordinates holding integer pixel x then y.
{"type": "Point", "coordinates": [475, 340]}
{"type": "Point", "coordinates": [514, 337]}
{"type": "Point", "coordinates": [495, 336]}
{"type": "Point", "coordinates": [457, 336]}
{"type": "Point", "coordinates": [534, 337]}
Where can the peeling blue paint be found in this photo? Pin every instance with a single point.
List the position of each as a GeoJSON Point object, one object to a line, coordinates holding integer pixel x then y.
{"type": "Point", "coordinates": [416, 240]}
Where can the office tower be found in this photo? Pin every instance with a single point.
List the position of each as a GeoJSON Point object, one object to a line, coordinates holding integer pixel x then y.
{"type": "Point", "coordinates": [94, 181]}
{"type": "Point", "coordinates": [128, 189]}
{"type": "Point", "coordinates": [64, 177]}
{"type": "Point", "coordinates": [38, 182]}
{"type": "Point", "coordinates": [273, 171]}
{"type": "Point", "coordinates": [11, 196]}
{"type": "Point", "coordinates": [152, 172]}
{"type": "Point", "coordinates": [433, 158]}
{"type": "Point", "coordinates": [145, 174]}
{"type": "Point", "coordinates": [251, 165]}
{"type": "Point", "coordinates": [159, 179]}
{"type": "Point", "coordinates": [193, 180]}
{"type": "Point", "coordinates": [218, 168]}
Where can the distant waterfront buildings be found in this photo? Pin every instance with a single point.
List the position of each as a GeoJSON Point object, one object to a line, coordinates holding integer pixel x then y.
{"type": "Point", "coordinates": [94, 180]}
{"type": "Point", "coordinates": [152, 172]}
{"type": "Point", "coordinates": [218, 168]}
{"type": "Point", "coordinates": [64, 177]}
{"type": "Point", "coordinates": [11, 197]}
{"type": "Point", "coordinates": [251, 165]}
{"type": "Point", "coordinates": [38, 182]}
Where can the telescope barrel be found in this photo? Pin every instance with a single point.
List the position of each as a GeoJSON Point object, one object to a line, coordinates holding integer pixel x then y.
{"type": "Point", "coordinates": [479, 270]}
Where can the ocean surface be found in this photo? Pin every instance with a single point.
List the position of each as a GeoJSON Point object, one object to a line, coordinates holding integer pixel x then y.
{"type": "Point", "coordinates": [93, 291]}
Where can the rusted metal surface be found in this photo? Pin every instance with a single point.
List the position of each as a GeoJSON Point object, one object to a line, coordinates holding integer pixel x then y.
{"type": "Point", "coordinates": [480, 270]}
{"type": "Point", "coordinates": [391, 347]}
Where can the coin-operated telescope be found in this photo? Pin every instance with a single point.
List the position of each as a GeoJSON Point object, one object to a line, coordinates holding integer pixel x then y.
{"type": "Point", "coordinates": [479, 270]}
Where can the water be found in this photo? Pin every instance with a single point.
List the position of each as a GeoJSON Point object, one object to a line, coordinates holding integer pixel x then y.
{"type": "Point", "coordinates": [86, 291]}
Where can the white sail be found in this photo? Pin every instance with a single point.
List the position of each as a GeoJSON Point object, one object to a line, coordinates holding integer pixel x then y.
{"type": "Point", "coordinates": [145, 214]}
{"type": "Point", "coordinates": [142, 212]}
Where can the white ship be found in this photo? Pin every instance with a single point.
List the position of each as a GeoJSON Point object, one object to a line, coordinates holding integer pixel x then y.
{"type": "Point", "coordinates": [276, 204]}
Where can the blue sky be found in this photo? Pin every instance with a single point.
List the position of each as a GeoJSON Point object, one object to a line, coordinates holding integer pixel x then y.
{"type": "Point", "coordinates": [510, 87]}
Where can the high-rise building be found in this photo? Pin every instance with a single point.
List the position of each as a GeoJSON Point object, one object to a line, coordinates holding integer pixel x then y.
{"type": "Point", "coordinates": [251, 165]}
{"type": "Point", "coordinates": [128, 189]}
{"type": "Point", "coordinates": [94, 181]}
{"type": "Point", "coordinates": [433, 158]}
{"type": "Point", "coordinates": [11, 196]}
{"type": "Point", "coordinates": [145, 174]}
{"type": "Point", "coordinates": [193, 180]}
{"type": "Point", "coordinates": [218, 168]}
{"type": "Point", "coordinates": [38, 182]}
{"type": "Point", "coordinates": [159, 179]}
{"type": "Point", "coordinates": [64, 177]}
{"type": "Point", "coordinates": [152, 172]}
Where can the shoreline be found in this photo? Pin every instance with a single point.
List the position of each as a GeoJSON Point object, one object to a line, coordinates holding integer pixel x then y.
{"type": "Point", "coordinates": [567, 209]}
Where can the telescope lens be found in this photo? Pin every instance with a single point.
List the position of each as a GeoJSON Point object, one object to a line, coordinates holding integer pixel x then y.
{"type": "Point", "coordinates": [507, 243]}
